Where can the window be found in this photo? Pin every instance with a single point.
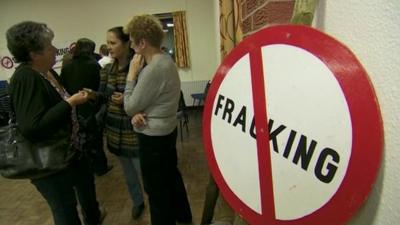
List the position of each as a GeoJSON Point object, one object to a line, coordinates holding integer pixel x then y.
{"type": "Point", "coordinates": [168, 28]}
{"type": "Point", "coordinates": [176, 41]}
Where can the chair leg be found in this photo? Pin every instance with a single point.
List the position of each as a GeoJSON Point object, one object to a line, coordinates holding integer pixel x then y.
{"type": "Point", "coordinates": [185, 123]}
{"type": "Point", "coordinates": [187, 129]}
{"type": "Point", "coordinates": [180, 126]}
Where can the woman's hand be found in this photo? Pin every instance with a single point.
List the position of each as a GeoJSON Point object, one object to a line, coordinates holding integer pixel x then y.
{"type": "Point", "coordinates": [117, 98]}
{"type": "Point", "coordinates": [139, 120]}
{"type": "Point", "coordinates": [78, 98]}
{"type": "Point", "coordinates": [91, 94]}
{"type": "Point", "coordinates": [135, 66]}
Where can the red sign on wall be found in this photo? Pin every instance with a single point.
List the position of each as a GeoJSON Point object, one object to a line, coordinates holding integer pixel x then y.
{"type": "Point", "coordinates": [292, 129]}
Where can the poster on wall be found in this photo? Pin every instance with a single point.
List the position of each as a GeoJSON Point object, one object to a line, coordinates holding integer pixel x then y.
{"type": "Point", "coordinates": [8, 64]}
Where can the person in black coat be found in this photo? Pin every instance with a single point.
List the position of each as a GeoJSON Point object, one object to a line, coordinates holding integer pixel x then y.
{"type": "Point", "coordinates": [42, 108]}
{"type": "Point", "coordinates": [83, 72]}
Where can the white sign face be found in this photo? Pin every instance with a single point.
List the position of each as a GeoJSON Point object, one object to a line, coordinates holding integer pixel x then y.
{"type": "Point", "coordinates": [301, 165]}
{"type": "Point", "coordinates": [239, 165]}
{"type": "Point", "coordinates": [287, 124]}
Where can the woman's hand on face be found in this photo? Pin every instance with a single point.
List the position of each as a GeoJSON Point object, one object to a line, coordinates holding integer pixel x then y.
{"type": "Point", "coordinates": [139, 120]}
{"type": "Point", "coordinates": [135, 66]}
{"type": "Point", "coordinates": [117, 98]}
{"type": "Point", "coordinates": [78, 98]}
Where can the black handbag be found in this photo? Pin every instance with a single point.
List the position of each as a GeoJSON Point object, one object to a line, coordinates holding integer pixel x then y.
{"type": "Point", "coordinates": [23, 159]}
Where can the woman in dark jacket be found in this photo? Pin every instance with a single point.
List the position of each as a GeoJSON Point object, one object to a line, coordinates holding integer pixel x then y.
{"type": "Point", "coordinates": [81, 72]}
{"type": "Point", "coordinates": [43, 108]}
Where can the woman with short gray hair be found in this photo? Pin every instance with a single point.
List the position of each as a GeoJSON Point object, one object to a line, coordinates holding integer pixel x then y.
{"type": "Point", "coordinates": [42, 108]}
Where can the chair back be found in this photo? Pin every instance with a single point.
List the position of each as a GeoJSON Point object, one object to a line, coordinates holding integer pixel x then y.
{"type": "Point", "coordinates": [182, 104]}
{"type": "Point", "coordinates": [206, 88]}
{"type": "Point", "coordinates": [5, 105]}
{"type": "Point", "coordinates": [3, 88]}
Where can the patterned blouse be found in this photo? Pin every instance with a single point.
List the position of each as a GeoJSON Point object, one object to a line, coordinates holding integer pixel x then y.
{"type": "Point", "coordinates": [121, 139]}
{"type": "Point", "coordinates": [50, 76]}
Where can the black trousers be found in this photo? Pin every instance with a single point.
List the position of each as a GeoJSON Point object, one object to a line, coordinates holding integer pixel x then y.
{"type": "Point", "coordinates": [95, 151]}
{"type": "Point", "coordinates": [92, 144]}
{"type": "Point", "coordinates": [162, 180]}
{"type": "Point", "coordinates": [62, 189]}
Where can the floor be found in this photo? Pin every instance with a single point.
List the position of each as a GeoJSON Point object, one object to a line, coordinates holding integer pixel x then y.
{"type": "Point", "coordinates": [21, 204]}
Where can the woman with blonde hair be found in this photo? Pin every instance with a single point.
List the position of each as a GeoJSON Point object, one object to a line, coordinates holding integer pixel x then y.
{"type": "Point", "coordinates": [151, 97]}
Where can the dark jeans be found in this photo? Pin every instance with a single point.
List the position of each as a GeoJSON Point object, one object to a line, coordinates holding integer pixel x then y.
{"type": "Point", "coordinates": [61, 191]}
{"type": "Point", "coordinates": [162, 180]}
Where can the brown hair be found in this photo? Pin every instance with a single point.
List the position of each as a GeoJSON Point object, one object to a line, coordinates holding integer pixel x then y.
{"type": "Point", "coordinates": [146, 27]}
{"type": "Point", "coordinates": [103, 50]}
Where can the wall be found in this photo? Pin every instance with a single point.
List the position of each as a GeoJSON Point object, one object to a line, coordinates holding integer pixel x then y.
{"type": "Point", "coordinates": [257, 14]}
{"type": "Point", "coordinates": [72, 19]}
{"type": "Point", "coordinates": [371, 29]}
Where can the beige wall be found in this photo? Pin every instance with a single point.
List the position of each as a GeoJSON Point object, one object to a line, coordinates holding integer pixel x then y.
{"type": "Point", "coordinates": [371, 29]}
{"type": "Point", "coordinates": [72, 19]}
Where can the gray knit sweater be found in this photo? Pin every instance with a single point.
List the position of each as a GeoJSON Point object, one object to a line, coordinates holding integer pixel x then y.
{"type": "Point", "coordinates": [156, 94]}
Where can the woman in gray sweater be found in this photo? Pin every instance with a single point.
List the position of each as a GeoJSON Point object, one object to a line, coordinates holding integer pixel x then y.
{"type": "Point", "coordinates": [151, 97]}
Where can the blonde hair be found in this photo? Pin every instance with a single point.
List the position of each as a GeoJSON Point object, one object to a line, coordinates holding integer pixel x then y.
{"type": "Point", "coordinates": [146, 27]}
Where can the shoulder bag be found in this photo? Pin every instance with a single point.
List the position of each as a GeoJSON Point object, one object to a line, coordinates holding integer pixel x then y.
{"type": "Point", "coordinates": [22, 159]}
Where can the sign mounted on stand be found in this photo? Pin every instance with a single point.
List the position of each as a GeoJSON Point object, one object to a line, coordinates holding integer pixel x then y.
{"type": "Point", "coordinates": [292, 129]}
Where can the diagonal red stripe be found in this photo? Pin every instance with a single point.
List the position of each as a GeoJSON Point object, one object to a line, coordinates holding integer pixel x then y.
{"type": "Point", "coordinates": [264, 156]}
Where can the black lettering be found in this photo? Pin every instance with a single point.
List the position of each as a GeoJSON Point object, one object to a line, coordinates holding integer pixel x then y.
{"type": "Point", "coordinates": [304, 153]}
{"type": "Point", "coordinates": [62, 51]}
{"type": "Point", "coordinates": [253, 129]}
{"type": "Point", "coordinates": [330, 167]}
{"type": "Point", "coordinates": [273, 134]}
{"type": "Point", "coordinates": [289, 143]}
{"type": "Point", "coordinates": [229, 106]}
{"type": "Point", "coordinates": [241, 119]}
{"type": "Point", "coordinates": [219, 105]}
{"type": "Point", "coordinates": [327, 163]}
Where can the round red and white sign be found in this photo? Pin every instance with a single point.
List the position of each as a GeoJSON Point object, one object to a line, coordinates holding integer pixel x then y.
{"type": "Point", "coordinates": [292, 128]}
{"type": "Point", "coordinates": [7, 62]}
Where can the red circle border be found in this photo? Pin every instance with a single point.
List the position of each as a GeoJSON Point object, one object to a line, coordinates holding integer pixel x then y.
{"type": "Point", "coordinates": [367, 145]}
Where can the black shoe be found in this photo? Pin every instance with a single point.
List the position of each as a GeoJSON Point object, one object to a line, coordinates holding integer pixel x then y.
{"type": "Point", "coordinates": [137, 211]}
{"type": "Point", "coordinates": [101, 173]}
{"type": "Point", "coordinates": [187, 221]}
{"type": "Point", "coordinates": [103, 214]}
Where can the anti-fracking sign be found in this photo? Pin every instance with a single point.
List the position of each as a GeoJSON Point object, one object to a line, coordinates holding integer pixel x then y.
{"type": "Point", "coordinates": [292, 129]}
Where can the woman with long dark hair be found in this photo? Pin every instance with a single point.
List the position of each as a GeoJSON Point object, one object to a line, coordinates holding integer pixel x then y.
{"type": "Point", "coordinates": [121, 139]}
